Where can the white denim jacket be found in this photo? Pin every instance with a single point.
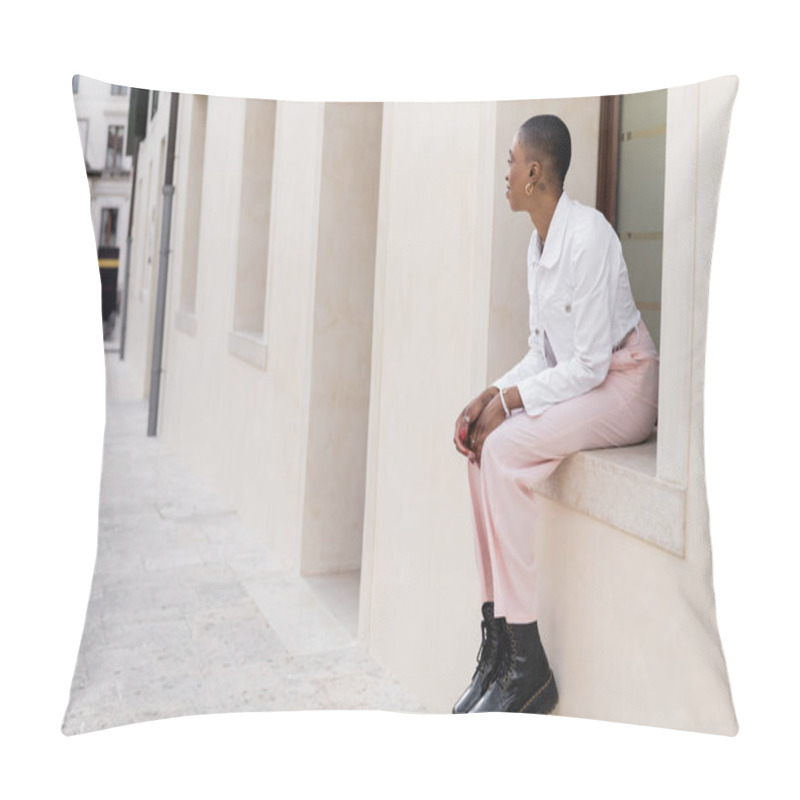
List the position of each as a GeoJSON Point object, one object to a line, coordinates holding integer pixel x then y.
{"type": "Point", "coordinates": [580, 296]}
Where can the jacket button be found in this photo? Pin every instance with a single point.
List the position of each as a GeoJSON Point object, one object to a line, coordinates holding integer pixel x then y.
{"type": "Point", "coordinates": [567, 308]}
{"type": "Point", "coordinates": [536, 332]}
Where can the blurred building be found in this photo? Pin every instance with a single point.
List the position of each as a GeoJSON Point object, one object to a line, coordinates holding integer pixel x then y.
{"type": "Point", "coordinates": [102, 113]}
{"type": "Point", "coordinates": [343, 278]}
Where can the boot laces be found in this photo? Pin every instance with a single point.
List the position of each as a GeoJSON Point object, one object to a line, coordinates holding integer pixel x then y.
{"type": "Point", "coordinates": [483, 655]}
{"type": "Point", "coordinates": [487, 653]}
{"type": "Point", "coordinates": [508, 656]}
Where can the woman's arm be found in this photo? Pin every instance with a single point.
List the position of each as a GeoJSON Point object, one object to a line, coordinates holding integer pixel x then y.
{"type": "Point", "coordinates": [486, 411]}
{"type": "Point", "coordinates": [591, 309]}
{"type": "Point", "coordinates": [531, 364]}
{"type": "Point", "coordinates": [466, 420]}
{"type": "Point", "coordinates": [494, 414]}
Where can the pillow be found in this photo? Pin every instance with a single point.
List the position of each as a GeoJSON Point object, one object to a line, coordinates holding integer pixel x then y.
{"type": "Point", "coordinates": [297, 300]}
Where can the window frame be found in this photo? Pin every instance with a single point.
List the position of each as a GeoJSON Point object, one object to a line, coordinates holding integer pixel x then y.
{"type": "Point", "coordinates": [247, 338]}
{"type": "Point", "coordinates": [643, 489]}
{"type": "Point", "coordinates": [118, 149]}
{"type": "Point", "coordinates": [194, 177]}
{"type": "Point", "coordinates": [112, 214]}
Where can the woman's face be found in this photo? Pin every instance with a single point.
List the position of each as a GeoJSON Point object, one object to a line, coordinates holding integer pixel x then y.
{"type": "Point", "coordinates": [517, 176]}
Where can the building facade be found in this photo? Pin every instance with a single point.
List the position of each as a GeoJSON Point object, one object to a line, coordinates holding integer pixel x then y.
{"type": "Point", "coordinates": [102, 113]}
{"type": "Point", "coordinates": [343, 278]}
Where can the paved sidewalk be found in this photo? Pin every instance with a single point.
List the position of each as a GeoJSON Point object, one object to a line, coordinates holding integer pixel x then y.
{"type": "Point", "coordinates": [189, 614]}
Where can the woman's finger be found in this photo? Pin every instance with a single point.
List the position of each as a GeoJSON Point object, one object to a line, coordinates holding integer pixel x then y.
{"type": "Point", "coordinates": [461, 433]}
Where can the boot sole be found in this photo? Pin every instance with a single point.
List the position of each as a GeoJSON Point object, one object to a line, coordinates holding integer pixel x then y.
{"type": "Point", "coordinates": [544, 700]}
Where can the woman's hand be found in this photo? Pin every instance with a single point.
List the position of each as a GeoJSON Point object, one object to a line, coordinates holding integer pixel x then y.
{"type": "Point", "coordinates": [465, 424]}
{"type": "Point", "coordinates": [491, 416]}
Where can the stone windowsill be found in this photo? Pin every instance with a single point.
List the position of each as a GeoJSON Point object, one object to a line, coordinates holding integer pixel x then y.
{"type": "Point", "coordinates": [249, 347]}
{"type": "Point", "coordinates": [619, 486]}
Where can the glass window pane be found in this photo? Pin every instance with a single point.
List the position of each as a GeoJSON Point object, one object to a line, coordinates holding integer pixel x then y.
{"type": "Point", "coordinates": [108, 227]}
{"type": "Point", "coordinates": [116, 138]}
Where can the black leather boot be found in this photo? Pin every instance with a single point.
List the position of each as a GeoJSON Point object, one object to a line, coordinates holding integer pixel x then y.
{"type": "Point", "coordinates": [488, 660]}
{"type": "Point", "coordinates": [524, 681]}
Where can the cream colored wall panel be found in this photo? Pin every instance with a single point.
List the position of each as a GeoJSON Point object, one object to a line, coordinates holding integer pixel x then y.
{"type": "Point", "coordinates": [448, 316]}
{"type": "Point", "coordinates": [244, 428]}
{"type": "Point", "coordinates": [419, 581]}
{"type": "Point", "coordinates": [622, 632]}
{"type": "Point", "coordinates": [680, 194]}
{"type": "Point", "coordinates": [337, 441]}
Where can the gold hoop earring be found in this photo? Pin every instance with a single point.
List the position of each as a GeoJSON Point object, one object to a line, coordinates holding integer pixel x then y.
{"type": "Point", "coordinates": [529, 189]}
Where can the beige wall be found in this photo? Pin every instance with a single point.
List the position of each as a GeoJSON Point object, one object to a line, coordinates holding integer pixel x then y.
{"type": "Point", "coordinates": [451, 314]}
{"type": "Point", "coordinates": [629, 625]}
{"type": "Point", "coordinates": [429, 356]}
{"type": "Point", "coordinates": [333, 512]}
{"type": "Point", "coordinates": [277, 421]}
{"type": "Point", "coordinates": [242, 426]}
{"type": "Point", "coordinates": [395, 291]}
{"type": "Point", "coordinates": [642, 643]}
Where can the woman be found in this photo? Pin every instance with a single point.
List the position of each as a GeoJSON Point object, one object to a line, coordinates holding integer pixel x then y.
{"type": "Point", "coordinates": [589, 380]}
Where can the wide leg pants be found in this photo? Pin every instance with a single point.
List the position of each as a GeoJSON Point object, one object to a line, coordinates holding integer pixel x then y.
{"type": "Point", "coordinates": [524, 450]}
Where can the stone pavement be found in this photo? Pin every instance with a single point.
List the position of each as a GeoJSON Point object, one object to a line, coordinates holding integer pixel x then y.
{"type": "Point", "coordinates": [189, 614]}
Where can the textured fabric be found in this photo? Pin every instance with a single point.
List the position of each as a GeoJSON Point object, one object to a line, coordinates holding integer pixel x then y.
{"type": "Point", "coordinates": [581, 296]}
{"type": "Point", "coordinates": [524, 450]}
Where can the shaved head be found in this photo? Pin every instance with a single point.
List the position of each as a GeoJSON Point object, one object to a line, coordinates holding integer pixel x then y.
{"type": "Point", "coordinates": [545, 138]}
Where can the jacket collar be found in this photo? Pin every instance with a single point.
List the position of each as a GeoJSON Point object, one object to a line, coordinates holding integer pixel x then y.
{"type": "Point", "coordinates": [555, 234]}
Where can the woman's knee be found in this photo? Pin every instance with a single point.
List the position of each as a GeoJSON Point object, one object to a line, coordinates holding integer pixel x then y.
{"type": "Point", "coordinates": [518, 444]}
{"type": "Point", "coordinates": [501, 446]}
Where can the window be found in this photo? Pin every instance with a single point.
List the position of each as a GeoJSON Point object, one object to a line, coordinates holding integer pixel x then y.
{"type": "Point", "coordinates": [631, 193]}
{"type": "Point", "coordinates": [114, 153]}
{"type": "Point", "coordinates": [640, 198]}
{"type": "Point", "coordinates": [153, 104]}
{"type": "Point", "coordinates": [193, 207]}
{"type": "Point", "coordinates": [75, 79]}
{"type": "Point", "coordinates": [628, 182]}
{"type": "Point", "coordinates": [630, 190]}
{"type": "Point", "coordinates": [108, 227]}
{"type": "Point", "coordinates": [246, 340]}
{"type": "Point", "coordinates": [118, 90]}
{"type": "Point", "coordinates": [655, 478]}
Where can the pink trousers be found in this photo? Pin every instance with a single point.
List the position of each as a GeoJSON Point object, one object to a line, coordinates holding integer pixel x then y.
{"type": "Point", "coordinates": [524, 450]}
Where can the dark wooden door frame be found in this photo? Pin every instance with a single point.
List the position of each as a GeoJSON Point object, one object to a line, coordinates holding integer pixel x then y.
{"type": "Point", "coordinates": [608, 157]}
